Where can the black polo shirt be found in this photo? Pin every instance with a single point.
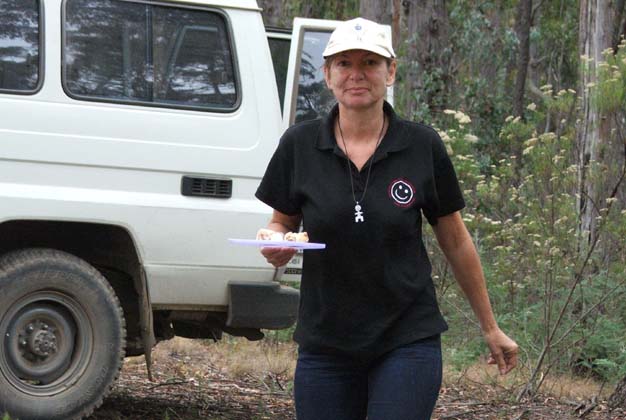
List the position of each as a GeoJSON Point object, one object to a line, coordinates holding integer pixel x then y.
{"type": "Point", "coordinates": [370, 290]}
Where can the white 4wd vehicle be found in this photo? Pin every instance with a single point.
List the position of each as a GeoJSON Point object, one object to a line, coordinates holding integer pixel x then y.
{"type": "Point", "coordinates": [133, 135]}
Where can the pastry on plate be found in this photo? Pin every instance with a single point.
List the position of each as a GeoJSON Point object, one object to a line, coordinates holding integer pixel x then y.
{"type": "Point", "coordinates": [269, 235]}
{"type": "Point", "coordinates": [297, 236]}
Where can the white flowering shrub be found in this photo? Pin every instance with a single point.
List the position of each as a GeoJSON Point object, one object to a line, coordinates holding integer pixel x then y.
{"type": "Point", "coordinates": [522, 211]}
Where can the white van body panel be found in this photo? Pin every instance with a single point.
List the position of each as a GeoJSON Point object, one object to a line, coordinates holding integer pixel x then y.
{"type": "Point", "coordinates": [120, 164]}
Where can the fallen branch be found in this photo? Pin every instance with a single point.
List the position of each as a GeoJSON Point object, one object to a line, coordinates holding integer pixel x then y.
{"type": "Point", "coordinates": [588, 407]}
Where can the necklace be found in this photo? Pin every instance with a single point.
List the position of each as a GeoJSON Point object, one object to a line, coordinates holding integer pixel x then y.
{"type": "Point", "coordinates": [358, 210]}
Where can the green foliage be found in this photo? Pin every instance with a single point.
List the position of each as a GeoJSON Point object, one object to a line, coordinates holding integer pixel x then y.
{"type": "Point", "coordinates": [279, 336]}
{"type": "Point", "coordinates": [479, 80]}
{"type": "Point", "coordinates": [554, 38]}
{"type": "Point", "coordinates": [602, 352]}
{"type": "Point", "coordinates": [459, 355]}
{"type": "Point", "coordinates": [522, 213]}
{"type": "Point", "coordinates": [520, 178]}
{"type": "Point", "coordinates": [610, 92]}
{"type": "Point", "coordinates": [481, 76]}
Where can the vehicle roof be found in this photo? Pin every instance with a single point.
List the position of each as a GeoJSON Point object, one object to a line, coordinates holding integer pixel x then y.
{"type": "Point", "coordinates": [227, 4]}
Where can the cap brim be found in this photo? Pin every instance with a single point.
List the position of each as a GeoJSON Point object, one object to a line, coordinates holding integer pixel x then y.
{"type": "Point", "coordinates": [332, 50]}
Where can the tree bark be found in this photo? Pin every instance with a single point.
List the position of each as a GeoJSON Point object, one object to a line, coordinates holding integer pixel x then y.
{"type": "Point", "coordinates": [600, 151]}
{"type": "Point", "coordinates": [618, 399]}
{"type": "Point", "coordinates": [428, 55]}
{"type": "Point", "coordinates": [376, 10]}
{"type": "Point", "coordinates": [524, 12]}
{"type": "Point", "coordinates": [396, 24]}
{"type": "Point", "coordinates": [595, 36]}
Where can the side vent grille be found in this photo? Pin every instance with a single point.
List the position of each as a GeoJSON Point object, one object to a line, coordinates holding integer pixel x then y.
{"type": "Point", "coordinates": [206, 187]}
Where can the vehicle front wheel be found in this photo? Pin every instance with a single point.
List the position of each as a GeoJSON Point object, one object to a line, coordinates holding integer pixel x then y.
{"type": "Point", "coordinates": [63, 333]}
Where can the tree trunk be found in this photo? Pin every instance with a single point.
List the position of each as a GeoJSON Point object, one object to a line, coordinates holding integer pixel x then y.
{"type": "Point", "coordinates": [601, 22]}
{"type": "Point", "coordinates": [618, 399]}
{"type": "Point", "coordinates": [595, 35]}
{"type": "Point", "coordinates": [396, 24]}
{"type": "Point", "coordinates": [524, 12]}
{"type": "Point", "coordinates": [428, 56]}
{"type": "Point", "coordinates": [620, 23]}
{"type": "Point", "coordinates": [376, 10]}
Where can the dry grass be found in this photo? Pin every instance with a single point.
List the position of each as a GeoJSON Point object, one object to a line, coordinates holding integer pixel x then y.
{"type": "Point", "coordinates": [565, 387]}
{"type": "Point", "coordinates": [240, 380]}
{"type": "Point", "coordinates": [240, 358]}
{"type": "Point", "coordinates": [236, 357]}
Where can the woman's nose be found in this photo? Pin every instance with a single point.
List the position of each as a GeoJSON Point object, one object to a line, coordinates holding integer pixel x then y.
{"type": "Point", "coordinates": [357, 73]}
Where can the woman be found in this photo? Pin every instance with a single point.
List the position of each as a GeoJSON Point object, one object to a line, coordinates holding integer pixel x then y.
{"type": "Point", "coordinates": [360, 180]}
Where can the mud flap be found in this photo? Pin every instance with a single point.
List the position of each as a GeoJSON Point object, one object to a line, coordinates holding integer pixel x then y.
{"type": "Point", "coordinates": [146, 322]}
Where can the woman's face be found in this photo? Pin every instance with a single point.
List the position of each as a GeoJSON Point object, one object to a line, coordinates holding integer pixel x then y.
{"type": "Point", "coordinates": [359, 78]}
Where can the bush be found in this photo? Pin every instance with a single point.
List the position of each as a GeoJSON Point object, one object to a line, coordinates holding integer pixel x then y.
{"type": "Point", "coordinates": [522, 212]}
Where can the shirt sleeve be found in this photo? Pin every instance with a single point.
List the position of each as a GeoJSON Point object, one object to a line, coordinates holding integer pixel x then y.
{"type": "Point", "coordinates": [277, 186]}
{"type": "Point", "coordinates": [444, 196]}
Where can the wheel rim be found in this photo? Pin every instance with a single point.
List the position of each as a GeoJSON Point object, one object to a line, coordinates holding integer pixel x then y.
{"type": "Point", "coordinates": [48, 340]}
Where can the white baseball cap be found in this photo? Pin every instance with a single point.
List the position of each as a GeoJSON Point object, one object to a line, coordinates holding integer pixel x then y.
{"type": "Point", "coordinates": [359, 34]}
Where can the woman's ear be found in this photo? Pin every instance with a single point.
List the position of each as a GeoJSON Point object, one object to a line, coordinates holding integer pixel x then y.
{"type": "Point", "coordinates": [326, 76]}
{"type": "Point", "coordinates": [391, 72]}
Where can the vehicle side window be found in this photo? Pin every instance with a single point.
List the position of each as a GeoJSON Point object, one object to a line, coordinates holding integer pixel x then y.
{"type": "Point", "coordinates": [314, 99]}
{"type": "Point", "coordinates": [20, 28]}
{"type": "Point", "coordinates": [279, 48]}
{"type": "Point", "coordinates": [158, 55]}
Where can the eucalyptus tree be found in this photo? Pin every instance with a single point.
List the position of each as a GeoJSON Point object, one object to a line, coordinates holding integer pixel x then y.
{"type": "Point", "coordinates": [599, 150]}
{"type": "Point", "coordinates": [523, 24]}
{"type": "Point", "coordinates": [377, 10]}
{"type": "Point", "coordinates": [428, 56]}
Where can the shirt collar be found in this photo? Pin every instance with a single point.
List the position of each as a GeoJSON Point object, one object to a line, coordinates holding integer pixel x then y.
{"type": "Point", "coordinates": [393, 141]}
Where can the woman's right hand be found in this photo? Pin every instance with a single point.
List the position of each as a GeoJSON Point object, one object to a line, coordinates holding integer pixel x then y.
{"type": "Point", "coordinates": [279, 223]}
{"type": "Point", "coordinates": [278, 256]}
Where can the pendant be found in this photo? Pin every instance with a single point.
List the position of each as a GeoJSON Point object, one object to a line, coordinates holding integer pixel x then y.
{"type": "Point", "coordinates": [358, 214]}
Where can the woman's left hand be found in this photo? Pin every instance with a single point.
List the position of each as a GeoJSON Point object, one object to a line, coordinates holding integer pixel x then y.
{"type": "Point", "coordinates": [503, 350]}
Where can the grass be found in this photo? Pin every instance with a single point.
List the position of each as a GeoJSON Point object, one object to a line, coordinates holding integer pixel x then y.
{"type": "Point", "coordinates": [271, 364]}
{"type": "Point", "coordinates": [240, 358]}
{"type": "Point", "coordinates": [235, 357]}
{"type": "Point", "coordinates": [562, 387]}
{"type": "Point", "coordinates": [271, 359]}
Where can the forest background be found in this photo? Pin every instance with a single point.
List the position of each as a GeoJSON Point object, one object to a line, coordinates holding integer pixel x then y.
{"type": "Point", "coordinates": [530, 99]}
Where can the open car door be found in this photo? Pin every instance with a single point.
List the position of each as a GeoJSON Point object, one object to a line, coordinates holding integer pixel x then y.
{"type": "Point", "coordinates": [306, 96]}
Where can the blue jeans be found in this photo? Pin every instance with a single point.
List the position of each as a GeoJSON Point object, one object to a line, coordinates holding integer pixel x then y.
{"type": "Point", "coordinates": [400, 385]}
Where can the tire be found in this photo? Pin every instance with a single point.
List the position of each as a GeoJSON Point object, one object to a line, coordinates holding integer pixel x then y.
{"type": "Point", "coordinates": [63, 336]}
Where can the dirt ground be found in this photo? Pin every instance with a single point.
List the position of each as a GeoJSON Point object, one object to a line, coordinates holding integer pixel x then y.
{"type": "Point", "coordinates": [251, 381]}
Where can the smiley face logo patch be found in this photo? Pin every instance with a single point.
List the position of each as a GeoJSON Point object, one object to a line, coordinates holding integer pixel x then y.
{"type": "Point", "coordinates": [401, 192]}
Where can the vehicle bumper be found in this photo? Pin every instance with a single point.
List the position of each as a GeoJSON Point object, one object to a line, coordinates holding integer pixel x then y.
{"type": "Point", "coordinates": [266, 305]}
